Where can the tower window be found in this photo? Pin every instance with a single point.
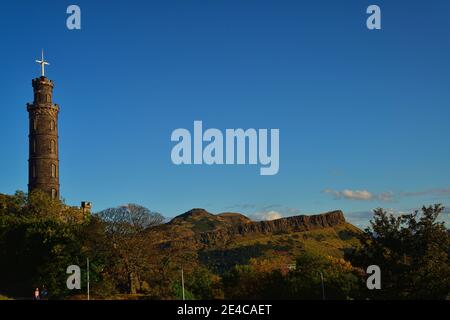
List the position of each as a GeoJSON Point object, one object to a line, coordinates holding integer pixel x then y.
{"type": "Point", "coordinates": [54, 194]}
{"type": "Point", "coordinates": [53, 170]}
{"type": "Point", "coordinates": [34, 124]}
{"type": "Point", "coordinates": [52, 146]}
{"type": "Point", "coordinates": [52, 125]}
{"type": "Point", "coordinates": [34, 146]}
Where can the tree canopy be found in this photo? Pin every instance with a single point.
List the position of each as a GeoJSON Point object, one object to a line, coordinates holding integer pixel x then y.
{"type": "Point", "coordinates": [412, 251]}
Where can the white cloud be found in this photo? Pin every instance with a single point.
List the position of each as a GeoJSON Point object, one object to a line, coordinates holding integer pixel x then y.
{"type": "Point", "coordinates": [351, 194]}
{"type": "Point", "coordinates": [366, 195]}
{"type": "Point", "coordinates": [362, 195]}
{"type": "Point", "coordinates": [265, 211]}
{"type": "Point", "coordinates": [357, 194]}
{"type": "Point", "coordinates": [267, 216]}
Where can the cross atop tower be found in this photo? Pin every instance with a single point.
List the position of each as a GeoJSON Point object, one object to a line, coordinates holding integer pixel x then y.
{"type": "Point", "coordinates": [43, 63]}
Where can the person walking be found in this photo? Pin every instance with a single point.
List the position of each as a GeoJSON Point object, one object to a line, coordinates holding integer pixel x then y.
{"type": "Point", "coordinates": [44, 293]}
{"type": "Point", "coordinates": [37, 295]}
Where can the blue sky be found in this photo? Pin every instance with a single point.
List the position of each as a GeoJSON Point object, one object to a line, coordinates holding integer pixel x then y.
{"type": "Point", "coordinates": [363, 115]}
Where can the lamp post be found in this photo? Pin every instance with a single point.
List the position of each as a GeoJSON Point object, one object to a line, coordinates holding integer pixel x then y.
{"type": "Point", "coordinates": [88, 284]}
{"type": "Point", "coordinates": [182, 282]}
{"type": "Point", "coordinates": [323, 286]}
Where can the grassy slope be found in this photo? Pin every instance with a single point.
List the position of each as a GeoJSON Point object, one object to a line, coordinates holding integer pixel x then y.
{"type": "Point", "coordinates": [283, 248]}
{"type": "Point", "coordinates": [327, 241]}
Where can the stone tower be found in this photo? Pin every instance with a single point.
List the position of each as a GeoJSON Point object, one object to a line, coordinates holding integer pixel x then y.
{"type": "Point", "coordinates": [43, 161]}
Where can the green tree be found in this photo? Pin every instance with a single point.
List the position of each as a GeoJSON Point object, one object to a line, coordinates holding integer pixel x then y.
{"type": "Point", "coordinates": [201, 283]}
{"type": "Point", "coordinates": [340, 280]}
{"type": "Point", "coordinates": [36, 251]}
{"type": "Point", "coordinates": [127, 229]}
{"type": "Point", "coordinates": [39, 239]}
{"type": "Point", "coordinates": [260, 279]}
{"type": "Point", "coordinates": [412, 251]}
{"type": "Point", "coordinates": [12, 205]}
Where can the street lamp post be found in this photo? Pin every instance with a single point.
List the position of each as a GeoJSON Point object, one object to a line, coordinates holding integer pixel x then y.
{"type": "Point", "coordinates": [88, 284]}
{"type": "Point", "coordinates": [323, 286]}
{"type": "Point", "coordinates": [182, 282]}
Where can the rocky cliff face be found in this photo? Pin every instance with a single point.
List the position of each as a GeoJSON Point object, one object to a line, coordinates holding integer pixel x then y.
{"type": "Point", "coordinates": [284, 225]}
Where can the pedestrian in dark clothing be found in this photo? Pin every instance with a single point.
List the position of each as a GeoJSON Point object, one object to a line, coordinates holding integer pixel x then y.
{"type": "Point", "coordinates": [44, 293]}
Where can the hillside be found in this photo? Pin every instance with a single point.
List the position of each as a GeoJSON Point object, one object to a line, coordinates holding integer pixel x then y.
{"type": "Point", "coordinates": [223, 240]}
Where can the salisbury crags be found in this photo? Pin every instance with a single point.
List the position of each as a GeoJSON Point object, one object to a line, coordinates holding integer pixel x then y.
{"type": "Point", "coordinates": [204, 228]}
{"type": "Point", "coordinates": [283, 225]}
